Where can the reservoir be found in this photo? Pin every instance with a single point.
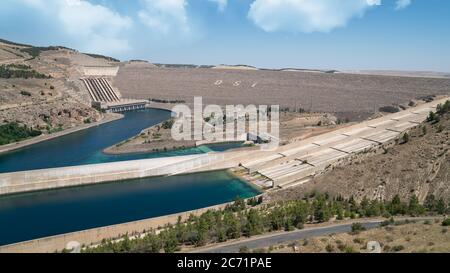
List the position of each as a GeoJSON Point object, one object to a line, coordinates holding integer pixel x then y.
{"type": "Point", "coordinates": [40, 214]}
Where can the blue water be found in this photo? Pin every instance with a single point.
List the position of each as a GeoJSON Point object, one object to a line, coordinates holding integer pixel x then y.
{"type": "Point", "coordinates": [86, 146]}
{"type": "Point", "coordinates": [40, 214]}
{"type": "Point", "coordinates": [46, 213]}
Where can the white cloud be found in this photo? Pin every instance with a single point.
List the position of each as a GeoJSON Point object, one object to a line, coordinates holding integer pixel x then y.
{"type": "Point", "coordinates": [222, 4]}
{"type": "Point", "coordinates": [165, 16]}
{"type": "Point", "coordinates": [306, 15]}
{"type": "Point", "coordinates": [401, 4]}
{"type": "Point", "coordinates": [95, 28]}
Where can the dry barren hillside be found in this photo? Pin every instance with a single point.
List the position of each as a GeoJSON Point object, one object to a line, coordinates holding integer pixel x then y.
{"type": "Point", "coordinates": [421, 166]}
{"type": "Point", "coordinates": [39, 87]}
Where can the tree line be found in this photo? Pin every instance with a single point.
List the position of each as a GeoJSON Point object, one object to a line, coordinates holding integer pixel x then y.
{"type": "Point", "coordinates": [20, 71]}
{"type": "Point", "coordinates": [13, 132]}
{"type": "Point", "coordinates": [253, 218]}
{"type": "Point", "coordinates": [441, 109]}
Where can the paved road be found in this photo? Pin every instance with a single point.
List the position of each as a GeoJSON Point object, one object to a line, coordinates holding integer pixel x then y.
{"type": "Point", "coordinates": [279, 238]}
{"type": "Point", "coordinates": [283, 237]}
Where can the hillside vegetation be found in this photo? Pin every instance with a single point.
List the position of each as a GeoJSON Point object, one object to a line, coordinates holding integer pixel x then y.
{"type": "Point", "coordinates": [13, 132]}
{"type": "Point", "coordinates": [20, 71]}
{"type": "Point", "coordinates": [252, 218]}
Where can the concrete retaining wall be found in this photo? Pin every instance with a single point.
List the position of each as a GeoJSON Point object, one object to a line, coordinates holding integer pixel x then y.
{"type": "Point", "coordinates": [97, 173]}
{"type": "Point", "coordinates": [96, 235]}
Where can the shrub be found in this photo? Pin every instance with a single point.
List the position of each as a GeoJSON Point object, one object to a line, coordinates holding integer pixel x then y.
{"type": "Point", "coordinates": [25, 93]}
{"type": "Point", "coordinates": [357, 227]}
{"type": "Point", "coordinates": [329, 248]}
{"type": "Point", "coordinates": [405, 138]}
{"type": "Point", "coordinates": [349, 249]}
{"type": "Point", "coordinates": [446, 222]}
{"type": "Point", "coordinates": [398, 248]}
{"type": "Point", "coordinates": [431, 117]}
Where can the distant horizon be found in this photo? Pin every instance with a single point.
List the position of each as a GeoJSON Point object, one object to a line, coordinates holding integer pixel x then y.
{"type": "Point", "coordinates": [382, 35]}
{"type": "Point", "coordinates": [239, 64]}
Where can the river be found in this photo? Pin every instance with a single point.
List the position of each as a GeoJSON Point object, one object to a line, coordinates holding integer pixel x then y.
{"type": "Point", "coordinates": [46, 213]}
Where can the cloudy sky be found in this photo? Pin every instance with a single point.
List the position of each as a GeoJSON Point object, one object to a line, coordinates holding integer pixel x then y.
{"type": "Point", "coordinates": [326, 34]}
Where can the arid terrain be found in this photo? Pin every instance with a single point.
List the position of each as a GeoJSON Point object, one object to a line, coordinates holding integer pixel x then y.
{"type": "Point", "coordinates": [404, 237]}
{"type": "Point", "coordinates": [293, 127]}
{"type": "Point", "coordinates": [40, 88]}
{"type": "Point", "coordinates": [418, 167]}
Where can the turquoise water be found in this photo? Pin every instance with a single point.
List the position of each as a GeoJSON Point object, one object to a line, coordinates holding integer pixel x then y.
{"type": "Point", "coordinates": [40, 214]}
{"type": "Point", "coordinates": [86, 146]}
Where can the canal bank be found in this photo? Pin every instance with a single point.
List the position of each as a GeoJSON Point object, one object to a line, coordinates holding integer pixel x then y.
{"type": "Point", "coordinates": [47, 213]}
{"type": "Point", "coordinates": [97, 235]}
{"type": "Point", "coordinates": [83, 146]}
{"type": "Point", "coordinates": [108, 117]}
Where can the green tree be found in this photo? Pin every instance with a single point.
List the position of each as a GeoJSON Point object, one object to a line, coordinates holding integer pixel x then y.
{"type": "Point", "coordinates": [396, 206]}
{"type": "Point", "coordinates": [414, 207]}
{"type": "Point", "coordinates": [322, 212]}
{"type": "Point", "coordinates": [170, 240]}
{"type": "Point", "coordinates": [254, 223]}
{"type": "Point", "coordinates": [431, 117]}
{"type": "Point", "coordinates": [441, 207]}
{"type": "Point", "coordinates": [152, 242]}
{"type": "Point", "coordinates": [231, 225]}
{"type": "Point", "coordinates": [405, 138]}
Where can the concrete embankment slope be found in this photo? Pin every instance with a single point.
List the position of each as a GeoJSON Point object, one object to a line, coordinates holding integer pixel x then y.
{"type": "Point", "coordinates": [45, 179]}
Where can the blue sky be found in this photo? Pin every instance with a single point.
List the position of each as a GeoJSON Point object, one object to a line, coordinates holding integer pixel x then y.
{"type": "Point", "coordinates": [324, 34]}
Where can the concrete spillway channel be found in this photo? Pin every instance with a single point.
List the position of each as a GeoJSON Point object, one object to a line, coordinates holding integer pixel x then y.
{"type": "Point", "coordinates": [296, 162]}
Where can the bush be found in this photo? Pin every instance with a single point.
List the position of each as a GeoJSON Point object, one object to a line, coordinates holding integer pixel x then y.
{"type": "Point", "coordinates": [168, 124]}
{"type": "Point", "coordinates": [25, 93]}
{"type": "Point", "coordinates": [432, 117]}
{"type": "Point", "coordinates": [405, 138]}
{"type": "Point", "coordinates": [329, 248]}
{"type": "Point", "coordinates": [244, 249]}
{"type": "Point", "coordinates": [349, 249]}
{"type": "Point", "coordinates": [398, 248]}
{"type": "Point", "coordinates": [357, 227]}
{"type": "Point", "coordinates": [446, 222]}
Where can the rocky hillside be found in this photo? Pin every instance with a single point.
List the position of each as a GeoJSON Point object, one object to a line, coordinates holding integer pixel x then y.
{"type": "Point", "coordinates": [39, 88]}
{"type": "Point", "coordinates": [418, 164]}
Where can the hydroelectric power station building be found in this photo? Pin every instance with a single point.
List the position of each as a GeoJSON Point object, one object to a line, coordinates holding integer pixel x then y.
{"type": "Point", "coordinates": [103, 95]}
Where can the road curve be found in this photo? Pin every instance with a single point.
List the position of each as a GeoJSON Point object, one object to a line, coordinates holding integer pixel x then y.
{"type": "Point", "coordinates": [283, 237]}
